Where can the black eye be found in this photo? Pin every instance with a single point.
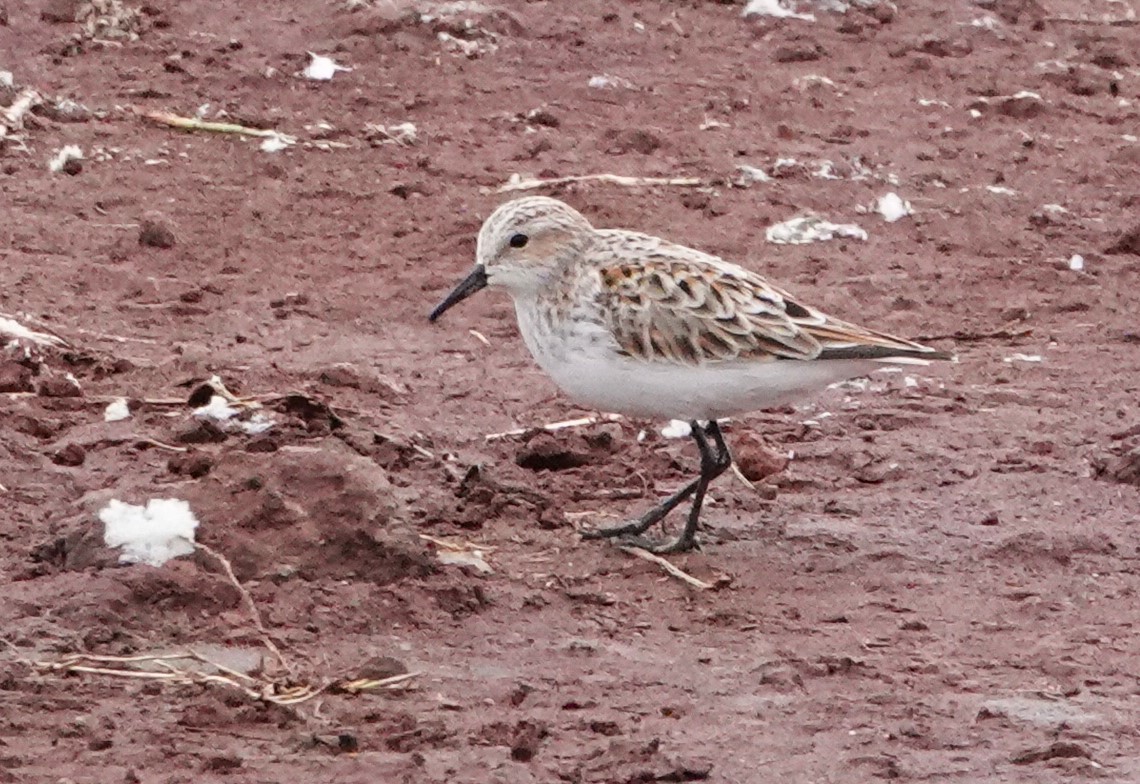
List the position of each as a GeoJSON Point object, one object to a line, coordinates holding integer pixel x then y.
{"type": "Point", "coordinates": [518, 240]}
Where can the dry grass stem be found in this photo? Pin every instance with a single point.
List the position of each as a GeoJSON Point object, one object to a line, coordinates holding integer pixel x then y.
{"type": "Point", "coordinates": [519, 184]}
{"type": "Point", "coordinates": [672, 570]}
{"type": "Point", "coordinates": [554, 427]}
{"type": "Point", "coordinates": [195, 124]}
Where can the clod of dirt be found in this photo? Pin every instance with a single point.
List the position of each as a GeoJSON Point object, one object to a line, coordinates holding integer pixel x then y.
{"type": "Point", "coordinates": [804, 50]}
{"type": "Point", "coordinates": [1014, 11]}
{"type": "Point", "coordinates": [755, 460]}
{"type": "Point", "coordinates": [180, 584]}
{"type": "Point", "coordinates": [1022, 106]}
{"type": "Point", "coordinates": [71, 456]}
{"type": "Point", "coordinates": [193, 464]}
{"type": "Point", "coordinates": [155, 233]}
{"type": "Point", "coordinates": [1060, 749]}
{"type": "Point", "coordinates": [61, 11]}
{"type": "Point", "coordinates": [222, 763]}
{"type": "Point", "coordinates": [55, 385]}
{"type": "Point", "coordinates": [346, 374]}
{"type": "Point", "coordinates": [629, 760]}
{"type": "Point", "coordinates": [955, 45]}
{"type": "Point", "coordinates": [619, 142]}
{"type": "Point", "coordinates": [200, 431]}
{"type": "Point", "coordinates": [1124, 468]}
{"type": "Point", "coordinates": [545, 452]}
{"type": "Point", "coordinates": [523, 738]}
{"type": "Point", "coordinates": [1129, 242]}
{"type": "Point", "coordinates": [380, 667]}
{"type": "Point", "coordinates": [543, 117]}
{"type": "Point", "coordinates": [15, 377]}
{"type": "Point", "coordinates": [883, 13]}
{"type": "Point", "coordinates": [3, 15]}
{"type": "Point", "coordinates": [324, 512]}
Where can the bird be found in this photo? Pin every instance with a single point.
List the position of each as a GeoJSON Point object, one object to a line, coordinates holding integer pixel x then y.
{"type": "Point", "coordinates": [633, 324]}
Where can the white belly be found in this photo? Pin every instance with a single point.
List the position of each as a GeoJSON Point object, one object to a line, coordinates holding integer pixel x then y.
{"type": "Point", "coordinates": [588, 368]}
{"type": "Point", "coordinates": [643, 389]}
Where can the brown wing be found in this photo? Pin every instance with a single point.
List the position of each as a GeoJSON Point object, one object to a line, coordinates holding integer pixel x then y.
{"type": "Point", "coordinates": [697, 309]}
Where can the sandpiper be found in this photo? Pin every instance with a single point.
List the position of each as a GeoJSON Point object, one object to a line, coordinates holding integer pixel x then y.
{"type": "Point", "coordinates": [633, 324]}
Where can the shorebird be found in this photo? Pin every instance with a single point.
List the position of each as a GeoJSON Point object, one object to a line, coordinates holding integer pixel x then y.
{"type": "Point", "coordinates": [633, 324]}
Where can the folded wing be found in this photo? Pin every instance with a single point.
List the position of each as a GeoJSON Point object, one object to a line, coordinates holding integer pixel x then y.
{"type": "Point", "coordinates": [682, 306]}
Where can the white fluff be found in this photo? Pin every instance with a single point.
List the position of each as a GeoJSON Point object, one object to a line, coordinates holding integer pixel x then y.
{"type": "Point", "coordinates": [217, 409]}
{"type": "Point", "coordinates": [774, 8]}
{"type": "Point", "coordinates": [893, 208]}
{"type": "Point", "coordinates": [1077, 262]}
{"type": "Point", "coordinates": [116, 410]}
{"type": "Point", "coordinates": [811, 228]}
{"type": "Point", "coordinates": [751, 174]}
{"type": "Point", "coordinates": [677, 428]}
{"type": "Point", "coordinates": [607, 82]}
{"type": "Point", "coordinates": [276, 142]}
{"type": "Point", "coordinates": [258, 423]}
{"type": "Point", "coordinates": [322, 68]}
{"type": "Point", "coordinates": [151, 534]}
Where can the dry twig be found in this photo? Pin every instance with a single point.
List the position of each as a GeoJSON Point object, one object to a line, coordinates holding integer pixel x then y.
{"type": "Point", "coordinates": [672, 570]}
{"type": "Point", "coordinates": [196, 124]}
{"type": "Point", "coordinates": [518, 184]}
{"type": "Point", "coordinates": [554, 427]}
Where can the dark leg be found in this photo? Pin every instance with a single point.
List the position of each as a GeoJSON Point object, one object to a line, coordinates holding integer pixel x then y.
{"type": "Point", "coordinates": [657, 513]}
{"type": "Point", "coordinates": [713, 464]}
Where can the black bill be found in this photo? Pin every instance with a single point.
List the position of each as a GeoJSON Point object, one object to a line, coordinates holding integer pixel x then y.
{"type": "Point", "coordinates": [472, 283]}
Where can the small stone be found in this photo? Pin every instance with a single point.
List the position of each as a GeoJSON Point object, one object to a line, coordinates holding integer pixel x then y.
{"type": "Point", "coordinates": [798, 52]}
{"type": "Point", "coordinates": [543, 117]}
{"type": "Point", "coordinates": [1022, 106]}
{"type": "Point", "coordinates": [58, 386]}
{"type": "Point", "coordinates": [71, 456]}
{"type": "Point", "coordinates": [72, 166]}
{"type": "Point", "coordinates": [547, 452]}
{"type": "Point", "coordinates": [755, 460]}
{"type": "Point", "coordinates": [155, 233]}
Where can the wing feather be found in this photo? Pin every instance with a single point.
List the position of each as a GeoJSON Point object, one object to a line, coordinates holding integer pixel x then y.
{"type": "Point", "coordinates": [678, 305]}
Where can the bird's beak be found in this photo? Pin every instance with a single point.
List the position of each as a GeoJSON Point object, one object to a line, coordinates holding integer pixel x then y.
{"type": "Point", "coordinates": [472, 283]}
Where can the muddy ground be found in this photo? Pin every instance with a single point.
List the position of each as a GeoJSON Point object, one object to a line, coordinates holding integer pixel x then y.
{"type": "Point", "coordinates": [940, 585]}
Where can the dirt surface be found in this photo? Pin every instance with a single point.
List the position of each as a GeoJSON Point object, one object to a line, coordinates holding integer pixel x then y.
{"type": "Point", "coordinates": [940, 584]}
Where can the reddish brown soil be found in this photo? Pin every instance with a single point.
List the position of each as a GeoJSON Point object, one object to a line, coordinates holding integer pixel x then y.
{"type": "Point", "coordinates": [945, 584]}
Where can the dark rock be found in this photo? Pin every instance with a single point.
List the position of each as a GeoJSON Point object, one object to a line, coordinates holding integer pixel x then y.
{"type": "Point", "coordinates": [154, 233]}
